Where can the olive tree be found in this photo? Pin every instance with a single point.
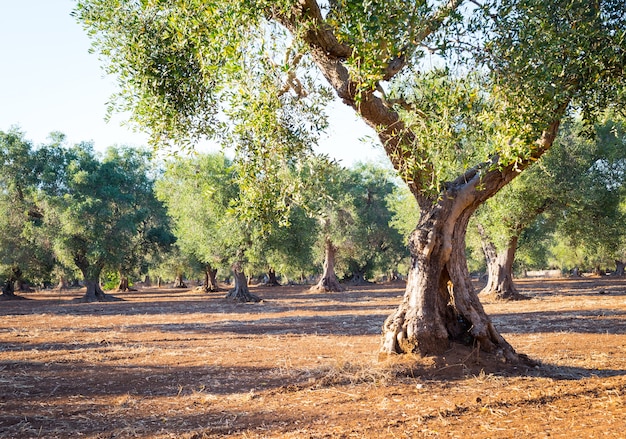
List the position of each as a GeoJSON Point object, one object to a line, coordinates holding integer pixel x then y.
{"type": "Point", "coordinates": [96, 210]}
{"type": "Point", "coordinates": [195, 68]}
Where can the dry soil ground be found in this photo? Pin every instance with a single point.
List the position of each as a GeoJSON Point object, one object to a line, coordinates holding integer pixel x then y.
{"type": "Point", "coordinates": [183, 364]}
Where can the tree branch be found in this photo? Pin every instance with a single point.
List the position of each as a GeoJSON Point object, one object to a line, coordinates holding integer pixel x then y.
{"type": "Point", "coordinates": [322, 33]}
{"type": "Point", "coordinates": [432, 24]}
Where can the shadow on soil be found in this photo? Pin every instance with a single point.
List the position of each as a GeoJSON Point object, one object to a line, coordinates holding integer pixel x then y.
{"type": "Point", "coordinates": [597, 321]}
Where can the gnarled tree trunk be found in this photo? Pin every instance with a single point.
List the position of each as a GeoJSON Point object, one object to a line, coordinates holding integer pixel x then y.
{"type": "Point", "coordinates": [357, 276]}
{"type": "Point", "coordinates": [210, 280]}
{"type": "Point", "coordinates": [91, 278]}
{"type": "Point", "coordinates": [179, 282]}
{"type": "Point", "coordinates": [272, 281]}
{"type": "Point", "coordinates": [500, 283]}
{"type": "Point", "coordinates": [619, 267]}
{"type": "Point", "coordinates": [241, 292]}
{"type": "Point", "coordinates": [8, 291]}
{"type": "Point", "coordinates": [123, 285]}
{"type": "Point", "coordinates": [328, 282]}
{"type": "Point", "coordinates": [63, 284]}
{"type": "Point", "coordinates": [9, 286]}
{"type": "Point", "coordinates": [440, 305]}
{"type": "Point", "coordinates": [94, 291]}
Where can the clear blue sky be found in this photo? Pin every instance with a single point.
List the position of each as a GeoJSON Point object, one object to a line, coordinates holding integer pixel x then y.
{"type": "Point", "coordinates": [50, 82]}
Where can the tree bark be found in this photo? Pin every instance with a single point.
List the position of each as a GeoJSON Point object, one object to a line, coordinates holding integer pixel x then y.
{"type": "Point", "coordinates": [272, 281]}
{"type": "Point", "coordinates": [500, 283]}
{"type": "Point", "coordinates": [619, 267]}
{"type": "Point", "coordinates": [210, 280]}
{"type": "Point", "coordinates": [328, 282]}
{"type": "Point", "coordinates": [440, 305]}
{"type": "Point", "coordinates": [123, 286]}
{"type": "Point", "coordinates": [94, 292]}
{"type": "Point", "coordinates": [358, 276]}
{"type": "Point", "coordinates": [241, 292]}
{"type": "Point", "coordinates": [12, 284]}
{"type": "Point", "coordinates": [598, 271]}
{"type": "Point", "coordinates": [178, 282]}
{"type": "Point", "coordinates": [91, 278]}
{"type": "Point", "coordinates": [63, 284]}
{"type": "Point", "coordinates": [8, 291]}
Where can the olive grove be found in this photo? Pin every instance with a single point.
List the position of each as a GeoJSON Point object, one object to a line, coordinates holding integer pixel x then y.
{"type": "Point", "coordinates": [507, 73]}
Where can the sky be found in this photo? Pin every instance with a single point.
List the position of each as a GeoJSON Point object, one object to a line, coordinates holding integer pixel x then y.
{"type": "Point", "coordinates": [50, 82]}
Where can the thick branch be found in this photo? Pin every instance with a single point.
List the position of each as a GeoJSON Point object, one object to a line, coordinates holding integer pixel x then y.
{"type": "Point", "coordinates": [320, 32]}
{"type": "Point", "coordinates": [486, 179]}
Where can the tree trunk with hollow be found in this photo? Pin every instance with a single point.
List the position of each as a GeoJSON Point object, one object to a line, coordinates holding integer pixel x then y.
{"type": "Point", "coordinates": [241, 292]}
{"type": "Point", "coordinates": [328, 282]}
{"type": "Point", "coordinates": [500, 283]}
{"type": "Point", "coordinates": [210, 280]}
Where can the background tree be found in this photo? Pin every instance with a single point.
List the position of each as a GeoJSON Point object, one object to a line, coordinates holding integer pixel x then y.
{"type": "Point", "coordinates": [199, 194]}
{"type": "Point", "coordinates": [549, 185]}
{"type": "Point", "coordinates": [184, 66]}
{"type": "Point", "coordinates": [333, 208]}
{"type": "Point", "coordinates": [286, 248]}
{"type": "Point", "coordinates": [25, 253]}
{"type": "Point", "coordinates": [148, 236]}
{"type": "Point", "coordinates": [405, 214]}
{"type": "Point", "coordinates": [374, 246]}
{"type": "Point", "coordinates": [98, 214]}
{"type": "Point", "coordinates": [589, 226]}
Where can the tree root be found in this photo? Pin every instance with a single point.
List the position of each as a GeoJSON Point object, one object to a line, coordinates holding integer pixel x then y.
{"type": "Point", "coordinates": [242, 295]}
{"type": "Point", "coordinates": [326, 285]}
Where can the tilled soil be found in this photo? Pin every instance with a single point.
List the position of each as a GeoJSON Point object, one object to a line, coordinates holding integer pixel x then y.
{"type": "Point", "coordinates": [166, 363]}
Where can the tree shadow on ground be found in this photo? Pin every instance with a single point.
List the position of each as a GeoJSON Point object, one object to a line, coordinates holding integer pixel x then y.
{"type": "Point", "coordinates": [461, 362]}
{"type": "Point", "coordinates": [595, 321]}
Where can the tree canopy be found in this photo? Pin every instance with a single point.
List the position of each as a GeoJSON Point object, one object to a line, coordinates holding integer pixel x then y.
{"type": "Point", "coordinates": [102, 214]}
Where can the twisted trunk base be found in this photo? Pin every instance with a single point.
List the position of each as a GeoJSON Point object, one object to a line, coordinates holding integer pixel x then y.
{"type": "Point", "coordinates": [358, 278]}
{"type": "Point", "coordinates": [440, 306]}
{"type": "Point", "coordinates": [210, 280]}
{"type": "Point", "coordinates": [95, 294]}
{"type": "Point", "coordinates": [178, 282]}
{"type": "Point", "coordinates": [328, 283]}
{"type": "Point", "coordinates": [500, 285]}
{"type": "Point", "coordinates": [272, 280]}
{"type": "Point", "coordinates": [241, 292]}
{"type": "Point", "coordinates": [124, 285]}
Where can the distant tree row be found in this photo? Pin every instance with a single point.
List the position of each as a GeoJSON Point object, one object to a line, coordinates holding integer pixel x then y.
{"type": "Point", "coordinates": [70, 212]}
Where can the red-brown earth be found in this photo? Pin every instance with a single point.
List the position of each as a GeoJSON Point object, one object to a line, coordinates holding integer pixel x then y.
{"type": "Point", "coordinates": [168, 363]}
